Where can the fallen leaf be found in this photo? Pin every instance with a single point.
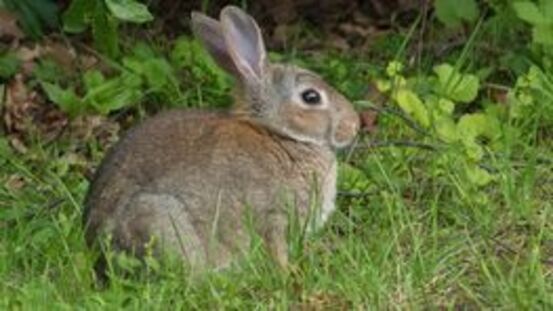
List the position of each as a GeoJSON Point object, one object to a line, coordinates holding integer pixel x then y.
{"type": "Point", "coordinates": [8, 26]}
{"type": "Point", "coordinates": [15, 182]}
{"type": "Point", "coordinates": [62, 54]}
{"type": "Point", "coordinates": [321, 300]}
{"type": "Point", "coordinates": [27, 56]}
{"type": "Point", "coordinates": [17, 144]}
{"type": "Point", "coordinates": [368, 120]}
{"type": "Point", "coordinates": [26, 113]}
{"type": "Point", "coordinates": [18, 104]}
{"type": "Point", "coordinates": [87, 127]}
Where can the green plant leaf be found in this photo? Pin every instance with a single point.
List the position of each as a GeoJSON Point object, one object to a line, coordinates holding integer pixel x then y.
{"type": "Point", "coordinates": [104, 31]}
{"type": "Point", "coordinates": [76, 17]}
{"type": "Point", "coordinates": [543, 34]}
{"type": "Point", "coordinates": [446, 106]}
{"type": "Point", "coordinates": [477, 175]}
{"type": "Point", "coordinates": [478, 124]}
{"type": "Point", "coordinates": [412, 105]}
{"type": "Point", "coordinates": [446, 129]}
{"type": "Point", "coordinates": [67, 100]}
{"type": "Point", "coordinates": [113, 94]}
{"type": "Point", "coordinates": [452, 13]}
{"type": "Point", "coordinates": [352, 177]}
{"type": "Point", "coordinates": [35, 15]}
{"type": "Point", "coordinates": [129, 10]}
{"type": "Point", "coordinates": [530, 13]}
{"type": "Point", "coordinates": [93, 79]}
{"type": "Point", "coordinates": [472, 149]}
{"type": "Point", "coordinates": [547, 9]}
{"type": "Point", "coordinates": [48, 70]}
{"type": "Point", "coordinates": [456, 86]}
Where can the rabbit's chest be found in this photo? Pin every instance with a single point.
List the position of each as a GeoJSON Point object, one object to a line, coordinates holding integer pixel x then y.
{"type": "Point", "coordinates": [328, 195]}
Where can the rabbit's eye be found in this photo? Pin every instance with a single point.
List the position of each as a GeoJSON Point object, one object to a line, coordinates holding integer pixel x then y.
{"type": "Point", "coordinates": [311, 97]}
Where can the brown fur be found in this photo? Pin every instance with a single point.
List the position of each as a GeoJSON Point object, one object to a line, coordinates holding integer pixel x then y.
{"type": "Point", "coordinates": [188, 180]}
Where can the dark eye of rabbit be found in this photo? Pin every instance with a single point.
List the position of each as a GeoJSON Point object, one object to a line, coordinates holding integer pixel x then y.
{"type": "Point", "coordinates": [311, 97]}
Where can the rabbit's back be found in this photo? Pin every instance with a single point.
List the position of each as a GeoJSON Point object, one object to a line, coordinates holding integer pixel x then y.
{"type": "Point", "coordinates": [188, 178]}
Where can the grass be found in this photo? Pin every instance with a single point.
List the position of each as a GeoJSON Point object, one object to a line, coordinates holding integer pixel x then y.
{"type": "Point", "coordinates": [410, 233]}
{"type": "Point", "coordinates": [416, 241]}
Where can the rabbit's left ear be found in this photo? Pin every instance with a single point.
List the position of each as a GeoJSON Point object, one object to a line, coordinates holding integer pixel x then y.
{"type": "Point", "coordinates": [209, 32]}
{"type": "Point", "coordinates": [244, 43]}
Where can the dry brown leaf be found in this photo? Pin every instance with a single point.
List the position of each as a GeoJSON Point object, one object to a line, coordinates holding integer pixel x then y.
{"type": "Point", "coordinates": [27, 56]}
{"type": "Point", "coordinates": [18, 105]}
{"type": "Point", "coordinates": [369, 120]}
{"type": "Point", "coordinates": [26, 112]}
{"type": "Point", "coordinates": [88, 127]}
{"type": "Point", "coordinates": [61, 54]}
{"type": "Point", "coordinates": [321, 300]}
{"type": "Point", "coordinates": [8, 26]}
{"type": "Point", "coordinates": [17, 144]}
{"type": "Point", "coordinates": [338, 42]}
{"type": "Point", "coordinates": [15, 182]}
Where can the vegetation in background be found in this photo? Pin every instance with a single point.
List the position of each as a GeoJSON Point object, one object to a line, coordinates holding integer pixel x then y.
{"type": "Point", "coordinates": [445, 200]}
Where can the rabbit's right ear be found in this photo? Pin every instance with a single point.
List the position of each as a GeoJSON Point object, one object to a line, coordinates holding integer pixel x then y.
{"type": "Point", "coordinates": [244, 43]}
{"type": "Point", "coordinates": [208, 30]}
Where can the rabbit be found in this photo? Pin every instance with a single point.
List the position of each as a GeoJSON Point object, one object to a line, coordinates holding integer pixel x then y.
{"type": "Point", "coordinates": [186, 180]}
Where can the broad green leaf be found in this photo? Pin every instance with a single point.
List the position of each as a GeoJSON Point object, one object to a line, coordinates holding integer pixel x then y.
{"type": "Point", "coordinates": [472, 126]}
{"type": "Point", "coordinates": [446, 129]}
{"type": "Point", "coordinates": [158, 73]}
{"type": "Point", "coordinates": [452, 13]}
{"type": "Point", "coordinates": [456, 86]}
{"type": "Point", "coordinates": [529, 12]}
{"type": "Point", "coordinates": [473, 150]}
{"type": "Point", "coordinates": [543, 34]}
{"type": "Point", "coordinates": [76, 17]}
{"type": "Point", "coordinates": [104, 31]}
{"type": "Point", "coordinates": [547, 9]}
{"type": "Point", "coordinates": [413, 106]}
{"type": "Point", "coordinates": [394, 68]}
{"type": "Point", "coordinates": [352, 177]}
{"type": "Point", "coordinates": [67, 100]}
{"type": "Point", "coordinates": [48, 70]}
{"type": "Point", "coordinates": [156, 70]}
{"type": "Point", "coordinates": [114, 94]}
{"type": "Point", "coordinates": [383, 85]}
{"type": "Point", "coordinates": [446, 105]}
{"type": "Point", "coordinates": [478, 124]}
{"type": "Point", "coordinates": [93, 79]}
{"type": "Point", "coordinates": [129, 10]}
{"type": "Point", "coordinates": [477, 175]}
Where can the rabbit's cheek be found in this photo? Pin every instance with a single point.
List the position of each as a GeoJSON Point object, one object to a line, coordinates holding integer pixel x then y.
{"type": "Point", "coordinates": [307, 124]}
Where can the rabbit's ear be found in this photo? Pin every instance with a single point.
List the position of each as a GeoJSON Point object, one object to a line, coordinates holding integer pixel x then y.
{"type": "Point", "coordinates": [244, 42]}
{"type": "Point", "coordinates": [208, 30]}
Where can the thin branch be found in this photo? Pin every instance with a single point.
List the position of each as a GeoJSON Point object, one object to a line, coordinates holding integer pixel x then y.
{"type": "Point", "coordinates": [397, 143]}
{"type": "Point", "coordinates": [398, 113]}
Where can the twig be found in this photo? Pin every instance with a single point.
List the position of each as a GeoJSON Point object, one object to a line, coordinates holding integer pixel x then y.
{"type": "Point", "coordinates": [355, 194]}
{"type": "Point", "coordinates": [397, 143]}
{"type": "Point", "coordinates": [410, 122]}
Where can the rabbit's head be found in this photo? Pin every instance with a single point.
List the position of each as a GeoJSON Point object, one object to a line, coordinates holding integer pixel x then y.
{"type": "Point", "coordinates": [289, 100]}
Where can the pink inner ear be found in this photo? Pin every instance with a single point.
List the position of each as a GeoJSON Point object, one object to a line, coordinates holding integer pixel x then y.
{"type": "Point", "coordinates": [244, 41]}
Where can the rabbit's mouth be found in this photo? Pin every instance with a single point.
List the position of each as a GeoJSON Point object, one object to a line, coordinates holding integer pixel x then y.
{"type": "Point", "coordinates": [344, 133]}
